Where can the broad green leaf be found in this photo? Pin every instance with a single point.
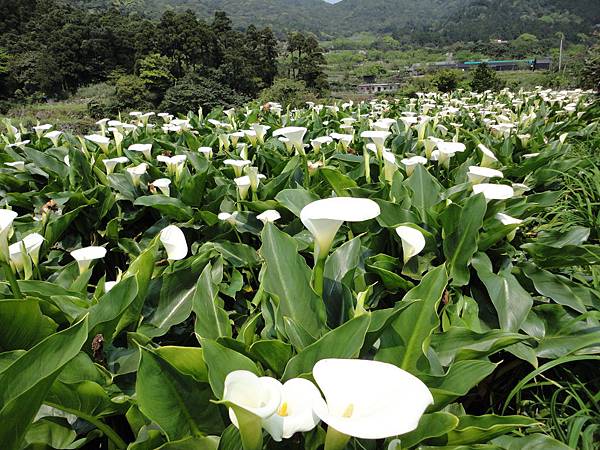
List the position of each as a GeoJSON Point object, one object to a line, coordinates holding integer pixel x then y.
{"type": "Point", "coordinates": [338, 285]}
{"type": "Point", "coordinates": [549, 257]}
{"type": "Point", "coordinates": [342, 342]}
{"type": "Point", "coordinates": [430, 426]}
{"type": "Point", "coordinates": [460, 237]}
{"type": "Point", "coordinates": [273, 354]}
{"type": "Point", "coordinates": [511, 301]}
{"type": "Point", "coordinates": [192, 443]}
{"type": "Point", "coordinates": [26, 381]}
{"type": "Point", "coordinates": [168, 206]}
{"type": "Point", "coordinates": [560, 289]}
{"type": "Point", "coordinates": [212, 321]}
{"type": "Point", "coordinates": [23, 324]}
{"type": "Point", "coordinates": [51, 432]}
{"type": "Point", "coordinates": [178, 403]}
{"type": "Point", "coordinates": [425, 188]}
{"type": "Point", "coordinates": [476, 429]}
{"type": "Point", "coordinates": [295, 199]}
{"type": "Point", "coordinates": [220, 361]}
{"type": "Point", "coordinates": [338, 181]}
{"type": "Point", "coordinates": [188, 360]}
{"type": "Point", "coordinates": [287, 277]}
{"type": "Point", "coordinates": [461, 377]}
{"type": "Point", "coordinates": [530, 442]}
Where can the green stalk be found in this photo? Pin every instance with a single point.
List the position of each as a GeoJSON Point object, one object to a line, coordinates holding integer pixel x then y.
{"type": "Point", "coordinates": [12, 280]}
{"type": "Point", "coordinates": [107, 430]}
{"type": "Point", "coordinates": [318, 276]}
{"type": "Point", "coordinates": [335, 440]}
{"type": "Point", "coordinates": [367, 165]}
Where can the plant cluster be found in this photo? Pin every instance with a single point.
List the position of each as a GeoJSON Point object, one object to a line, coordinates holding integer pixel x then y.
{"type": "Point", "coordinates": [381, 275]}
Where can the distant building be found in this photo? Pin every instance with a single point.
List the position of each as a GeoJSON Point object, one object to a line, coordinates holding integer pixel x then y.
{"type": "Point", "coordinates": [513, 64]}
{"type": "Point", "coordinates": [378, 88]}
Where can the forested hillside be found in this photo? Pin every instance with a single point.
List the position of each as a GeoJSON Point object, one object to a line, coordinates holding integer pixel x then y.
{"type": "Point", "coordinates": [414, 21]}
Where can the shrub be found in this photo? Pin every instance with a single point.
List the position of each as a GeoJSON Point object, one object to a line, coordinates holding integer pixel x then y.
{"type": "Point", "coordinates": [446, 80]}
{"type": "Point", "coordinates": [288, 92]}
{"type": "Point", "coordinates": [486, 79]}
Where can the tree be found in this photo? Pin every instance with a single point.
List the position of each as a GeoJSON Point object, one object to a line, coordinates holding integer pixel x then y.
{"type": "Point", "coordinates": [305, 59]}
{"type": "Point", "coordinates": [288, 92]}
{"type": "Point", "coordinates": [155, 71]}
{"type": "Point", "coordinates": [446, 80]}
{"type": "Point", "coordinates": [485, 79]}
{"type": "Point", "coordinates": [590, 76]}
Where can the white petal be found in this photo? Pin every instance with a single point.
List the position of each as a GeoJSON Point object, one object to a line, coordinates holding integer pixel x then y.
{"type": "Point", "coordinates": [259, 396]}
{"type": "Point", "coordinates": [84, 256]}
{"type": "Point", "coordinates": [174, 242]}
{"type": "Point", "coordinates": [370, 399]}
{"type": "Point", "coordinates": [269, 215]}
{"type": "Point", "coordinates": [494, 191]}
{"type": "Point", "coordinates": [413, 241]}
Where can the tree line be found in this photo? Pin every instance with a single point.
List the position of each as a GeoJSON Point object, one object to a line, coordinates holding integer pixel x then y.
{"type": "Point", "coordinates": [49, 49]}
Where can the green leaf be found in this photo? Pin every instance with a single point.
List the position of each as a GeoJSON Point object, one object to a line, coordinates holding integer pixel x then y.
{"type": "Point", "coordinates": [26, 381]}
{"type": "Point", "coordinates": [212, 321]}
{"type": "Point", "coordinates": [461, 377]}
{"type": "Point", "coordinates": [50, 432]}
{"type": "Point", "coordinates": [188, 360]}
{"type": "Point", "coordinates": [167, 206]}
{"type": "Point", "coordinates": [338, 181]}
{"type": "Point", "coordinates": [220, 361]}
{"type": "Point", "coordinates": [530, 442]}
{"type": "Point", "coordinates": [273, 354]}
{"type": "Point", "coordinates": [476, 429]}
{"type": "Point", "coordinates": [430, 426]}
{"type": "Point", "coordinates": [550, 257]}
{"type": "Point", "coordinates": [461, 233]}
{"type": "Point", "coordinates": [338, 285]}
{"type": "Point", "coordinates": [425, 188]}
{"type": "Point", "coordinates": [343, 342]}
{"type": "Point", "coordinates": [560, 289]}
{"type": "Point", "coordinates": [406, 341]}
{"type": "Point", "coordinates": [178, 403]}
{"type": "Point", "coordinates": [295, 199]}
{"type": "Point", "coordinates": [192, 443]}
{"type": "Point", "coordinates": [23, 324]}
{"type": "Point", "coordinates": [287, 277]}
{"type": "Point", "coordinates": [511, 301]}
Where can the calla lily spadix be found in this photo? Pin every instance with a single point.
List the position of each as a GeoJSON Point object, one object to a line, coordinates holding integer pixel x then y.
{"type": "Point", "coordinates": [269, 215]}
{"type": "Point", "coordinates": [296, 410]}
{"type": "Point", "coordinates": [413, 241]}
{"type": "Point", "coordinates": [478, 174]}
{"type": "Point", "coordinates": [144, 149]}
{"type": "Point", "coordinates": [110, 164]}
{"type": "Point", "coordinates": [412, 162]}
{"type": "Point", "coordinates": [85, 256]}
{"type": "Point", "coordinates": [323, 218]}
{"type": "Point", "coordinates": [6, 220]}
{"type": "Point", "coordinates": [173, 239]}
{"type": "Point", "coordinates": [369, 399]}
{"type": "Point", "coordinates": [295, 136]}
{"type": "Point", "coordinates": [494, 191]}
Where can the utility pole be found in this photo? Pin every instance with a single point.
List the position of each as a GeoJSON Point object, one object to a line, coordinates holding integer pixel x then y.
{"type": "Point", "coordinates": [560, 55]}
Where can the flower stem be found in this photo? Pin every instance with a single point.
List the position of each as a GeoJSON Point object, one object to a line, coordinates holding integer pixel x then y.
{"type": "Point", "coordinates": [318, 276]}
{"type": "Point", "coordinates": [367, 165]}
{"type": "Point", "coordinates": [335, 440]}
{"type": "Point", "coordinates": [10, 277]}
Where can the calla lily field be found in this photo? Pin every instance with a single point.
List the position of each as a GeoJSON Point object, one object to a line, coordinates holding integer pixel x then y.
{"type": "Point", "coordinates": [393, 274]}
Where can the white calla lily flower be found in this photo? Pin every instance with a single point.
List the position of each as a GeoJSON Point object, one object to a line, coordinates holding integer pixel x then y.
{"type": "Point", "coordinates": [137, 172]}
{"type": "Point", "coordinates": [111, 163]}
{"type": "Point", "coordinates": [478, 174]}
{"type": "Point", "coordinates": [344, 139]}
{"type": "Point", "coordinates": [261, 131]}
{"type": "Point", "coordinates": [488, 159]}
{"type": "Point", "coordinates": [163, 184]}
{"type": "Point", "coordinates": [54, 136]}
{"type": "Point", "coordinates": [269, 215]}
{"type": "Point", "coordinates": [391, 404]}
{"type": "Point", "coordinates": [85, 256]}
{"type": "Point", "coordinates": [323, 218]}
{"type": "Point", "coordinates": [230, 218]}
{"type": "Point", "coordinates": [296, 410]}
{"type": "Point", "coordinates": [17, 165]}
{"type": "Point", "coordinates": [413, 241]}
{"type": "Point", "coordinates": [507, 220]}
{"type": "Point", "coordinates": [243, 185]}
{"type": "Point", "coordinates": [6, 220]}
{"type": "Point", "coordinates": [237, 165]}
{"type": "Point", "coordinates": [412, 162]}
{"type": "Point", "coordinates": [295, 136]}
{"type": "Point", "coordinates": [206, 151]}
{"type": "Point", "coordinates": [100, 141]}
{"type": "Point", "coordinates": [41, 129]}
{"type": "Point", "coordinates": [317, 143]}
{"type": "Point", "coordinates": [260, 396]}
{"type": "Point", "coordinates": [378, 138]}
{"type": "Point", "coordinates": [173, 239]}
{"type": "Point", "coordinates": [174, 164]}
{"type": "Point", "coordinates": [494, 191]}
{"type": "Point", "coordinates": [144, 149]}
{"type": "Point", "coordinates": [390, 166]}
{"type": "Point", "coordinates": [32, 244]}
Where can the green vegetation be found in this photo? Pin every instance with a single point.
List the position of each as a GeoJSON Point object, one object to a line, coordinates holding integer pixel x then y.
{"type": "Point", "coordinates": [438, 282]}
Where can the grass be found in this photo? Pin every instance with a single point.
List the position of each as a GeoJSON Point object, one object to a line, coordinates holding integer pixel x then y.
{"type": "Point", "coordinates": [71, 116]}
